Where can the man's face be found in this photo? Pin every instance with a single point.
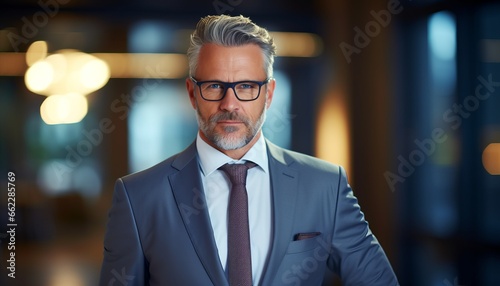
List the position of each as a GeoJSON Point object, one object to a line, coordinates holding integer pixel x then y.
{"type": "Point", "coordinates": [230, 124]}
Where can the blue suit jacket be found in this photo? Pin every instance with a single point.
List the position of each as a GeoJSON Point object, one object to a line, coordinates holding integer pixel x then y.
{"type": "Point", "coordinates": [159, 231]}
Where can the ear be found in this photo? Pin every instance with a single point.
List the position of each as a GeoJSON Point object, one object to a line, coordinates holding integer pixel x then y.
{"type": "Point", "coordinates": [270, 91]}
{"type": "Point", "coordinates": [190, 89]}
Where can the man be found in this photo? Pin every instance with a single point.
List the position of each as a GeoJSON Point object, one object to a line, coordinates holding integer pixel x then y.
{"type": "Point", "coordinates": [187, 221]}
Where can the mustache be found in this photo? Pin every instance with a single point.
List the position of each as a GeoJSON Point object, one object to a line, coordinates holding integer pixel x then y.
{"type": "Point", "coordinates": [228, 116]}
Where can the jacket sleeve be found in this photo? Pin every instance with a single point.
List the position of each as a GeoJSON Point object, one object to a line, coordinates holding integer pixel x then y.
{"type": "Point", "coordinates": [356, 256]}
{"type": "Point", "coordinates": [124, 262]}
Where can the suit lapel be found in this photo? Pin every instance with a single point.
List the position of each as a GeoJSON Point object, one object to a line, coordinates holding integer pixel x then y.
{"type": "Point", "coordinates": [284, 195]}
{"type": "Point", "coordinates": [188, 191]}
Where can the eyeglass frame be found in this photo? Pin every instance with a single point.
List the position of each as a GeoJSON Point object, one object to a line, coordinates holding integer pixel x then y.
{"type": "Point", "coordinates": [231, 85]}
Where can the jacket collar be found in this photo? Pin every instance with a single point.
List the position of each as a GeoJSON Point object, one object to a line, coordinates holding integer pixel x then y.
{"type": "Point", "coordinates": [188, 191]}
{"type": "Point", "coordinates": [284, 187]}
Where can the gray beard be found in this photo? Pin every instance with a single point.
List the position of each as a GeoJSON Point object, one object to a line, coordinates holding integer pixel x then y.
{"type": "Point", "coordinates": [228, 141]}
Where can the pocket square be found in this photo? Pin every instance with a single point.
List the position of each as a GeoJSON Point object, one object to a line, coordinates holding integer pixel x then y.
{"type": "Point", "coordinates": [305, 235]}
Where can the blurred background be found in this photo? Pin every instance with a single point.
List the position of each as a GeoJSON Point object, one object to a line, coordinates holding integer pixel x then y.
{"type": "Point", "coordinates": [404, 94]}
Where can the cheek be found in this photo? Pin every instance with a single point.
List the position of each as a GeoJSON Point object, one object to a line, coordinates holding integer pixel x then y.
{"type": "Point", "coordinates": [206, 110]}
{"type": "Point", "coordinates": [255, 112]}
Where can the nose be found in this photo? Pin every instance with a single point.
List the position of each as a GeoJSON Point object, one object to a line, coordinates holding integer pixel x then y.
{"type": "Point", "coordinates": [230, 102]}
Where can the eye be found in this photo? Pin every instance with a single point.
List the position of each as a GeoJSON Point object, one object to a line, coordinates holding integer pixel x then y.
{"type": "Point", "coordinates": [247, 85]}
{"type": "Point", "coordinates": [214, 85]}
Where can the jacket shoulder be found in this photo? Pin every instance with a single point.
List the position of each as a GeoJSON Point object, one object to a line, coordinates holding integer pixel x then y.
{"type": "Point", "coordinates": [303, 162]}
{"type": "Point", "coordinates": [162, 170]}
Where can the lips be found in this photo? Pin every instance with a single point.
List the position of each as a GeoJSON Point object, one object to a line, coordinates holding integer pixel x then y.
{"type": "Point", "coordinates": [229, 122]}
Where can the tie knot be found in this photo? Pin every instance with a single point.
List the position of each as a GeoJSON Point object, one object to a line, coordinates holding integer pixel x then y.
{"type": "Point", "coordinates": [237, 173]}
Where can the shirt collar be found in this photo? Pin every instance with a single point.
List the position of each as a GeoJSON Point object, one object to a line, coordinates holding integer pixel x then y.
{"type": "Point", "coordinates": [211, 159]}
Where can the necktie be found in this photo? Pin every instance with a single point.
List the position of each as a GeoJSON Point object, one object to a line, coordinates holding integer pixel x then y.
{"type": "Point", "coordinates": [239, 260]}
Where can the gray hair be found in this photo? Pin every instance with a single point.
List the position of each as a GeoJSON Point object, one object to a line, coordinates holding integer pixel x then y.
{"type": "Point", "coordinates": [230, 31]}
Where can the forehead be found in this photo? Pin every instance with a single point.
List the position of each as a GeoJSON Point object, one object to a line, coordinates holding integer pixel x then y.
{"type": "Point", "coordinates": [220, 61]}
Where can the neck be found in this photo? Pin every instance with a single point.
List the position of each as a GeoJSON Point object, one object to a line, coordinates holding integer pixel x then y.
{"type": "Point", "coordinates": [235, 154]}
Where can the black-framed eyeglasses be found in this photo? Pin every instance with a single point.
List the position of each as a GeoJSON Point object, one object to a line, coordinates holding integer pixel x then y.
{"type": "Point", "coordinates": [213, 90]}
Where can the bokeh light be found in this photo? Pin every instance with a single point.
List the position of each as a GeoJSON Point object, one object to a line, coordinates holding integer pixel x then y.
{"type": "Point", "coordinates": [36, 52]}
{"type": "Point", "coordinates": [491, 158]}
{"type": "Point", "coordinates": [64, 109]}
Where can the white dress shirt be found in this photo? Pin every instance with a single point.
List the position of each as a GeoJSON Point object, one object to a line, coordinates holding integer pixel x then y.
{"type": "Point", "coordinates": [217, 188]}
